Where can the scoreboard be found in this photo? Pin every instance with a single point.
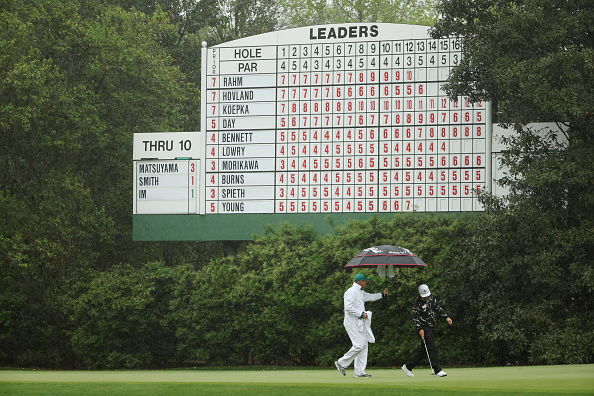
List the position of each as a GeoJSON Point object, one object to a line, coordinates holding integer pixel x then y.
{"type": "Point", "coordinates": [342, 118]}
{"type": "Point", "coordinates": [166, 173]}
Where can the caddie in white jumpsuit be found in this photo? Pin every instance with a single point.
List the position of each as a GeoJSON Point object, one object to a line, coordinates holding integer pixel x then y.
{"type": "Point", "coordinates": [357, 323]}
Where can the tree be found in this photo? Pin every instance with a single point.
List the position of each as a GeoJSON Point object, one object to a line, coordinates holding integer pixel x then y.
{"type": "Point", "coordinates": [243, 18]}
{"type": "Point", "coordinates": [529, 258]}
{"type": "Point", "coordinates": [313, 12]}
{"type": "Point", "coordinates": [387, 11]}
{"type": "Point", "coordinates": [188, 16]}
{"type": "Point", "coordinates": [533, 58]}
{"type": "Point", "coordinates": [76, 81]}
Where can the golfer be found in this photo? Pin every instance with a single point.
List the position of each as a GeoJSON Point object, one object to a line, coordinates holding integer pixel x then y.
{"type": "Point", "coordinates": [357, 323]}
{"type": "Point", "coordinates": [423, 313]}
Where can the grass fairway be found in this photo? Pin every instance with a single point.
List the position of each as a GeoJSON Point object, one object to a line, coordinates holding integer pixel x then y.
{"type": "Point", "coordinates": [549, 380]}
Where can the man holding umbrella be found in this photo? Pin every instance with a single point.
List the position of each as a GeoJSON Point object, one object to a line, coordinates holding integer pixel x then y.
{"type": "Point", "coordinates": [423, 312]}
{"type": "Point", "coordinates": [357, 323]}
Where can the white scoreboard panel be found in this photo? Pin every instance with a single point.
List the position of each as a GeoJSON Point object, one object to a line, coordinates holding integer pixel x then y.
{"type": "Point", "coordinates": [166, 173]}
{"type": "Point", "coordinates": [339, 118]}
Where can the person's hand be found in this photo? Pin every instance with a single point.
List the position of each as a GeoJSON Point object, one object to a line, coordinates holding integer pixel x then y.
{"type": "Point", "coordinates": [449, 320]}
{"type": "Point", "coordinates": [422, 333]}
{"type": "Point", "coordinates": [386, 292]}
{"type": "Point", "coordinates": [364, 315]}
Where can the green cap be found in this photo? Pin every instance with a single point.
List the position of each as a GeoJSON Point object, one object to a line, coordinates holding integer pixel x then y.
{"type": "Point", "coordinates": [360, 277]}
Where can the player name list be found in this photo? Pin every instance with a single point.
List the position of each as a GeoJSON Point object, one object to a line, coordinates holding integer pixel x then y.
{"type": "Point", "coordinates": [357, 125]}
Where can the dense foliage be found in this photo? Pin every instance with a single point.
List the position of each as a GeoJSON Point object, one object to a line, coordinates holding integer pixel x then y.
{"type": "Point", "coordinates": [277, 301]}
{"type": "Point", "coordinates": [529, 259]}
{"type": "Point", "coordinates": [314, 12]}
{"type": "Point", "coordinates": [78, 78]}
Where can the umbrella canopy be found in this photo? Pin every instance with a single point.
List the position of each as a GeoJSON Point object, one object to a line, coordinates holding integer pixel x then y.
{"type": "Point", "coordinates": [386, 256]}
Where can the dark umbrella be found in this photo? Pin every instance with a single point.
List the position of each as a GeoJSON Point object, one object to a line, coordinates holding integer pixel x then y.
{"type": "Point", "coordinates": [386, 256]}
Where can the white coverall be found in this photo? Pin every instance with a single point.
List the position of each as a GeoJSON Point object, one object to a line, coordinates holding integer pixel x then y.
{"type": "Point", "coordinates": [354, 306]}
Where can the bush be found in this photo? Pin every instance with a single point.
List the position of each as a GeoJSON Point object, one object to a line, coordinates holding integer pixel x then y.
{"type": "Point", "coordinates": [120, 319]}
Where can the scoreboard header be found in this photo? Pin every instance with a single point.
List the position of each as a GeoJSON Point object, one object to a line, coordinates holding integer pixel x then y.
{"type": "Point", "coordinates": [166, 145]}
{"type": "Point", "coordinates": [348, 32]}
{"type": "Point", "coordinates": [342, 118]}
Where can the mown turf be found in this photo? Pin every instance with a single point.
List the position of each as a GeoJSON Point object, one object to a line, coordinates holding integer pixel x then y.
{"type": "Point", "coordinates": [546, 380]}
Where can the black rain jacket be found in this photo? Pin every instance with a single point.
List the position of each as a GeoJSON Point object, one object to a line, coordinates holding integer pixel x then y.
{"type": "Point", "coordinates": [423, 312]}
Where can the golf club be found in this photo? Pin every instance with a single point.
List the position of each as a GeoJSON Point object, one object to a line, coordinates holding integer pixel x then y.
{"type": "Point", "coordinates": [430, 365]}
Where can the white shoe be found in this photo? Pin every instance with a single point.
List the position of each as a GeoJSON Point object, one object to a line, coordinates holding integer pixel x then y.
{"type": "Point", "coordinates": [340, 368]}
{"type": "Point", "coordinates": [441, 374]}
{"type": "Point", "coordinates": [363, 376]}
{"type": "Point", "coordinates": [407, 371]}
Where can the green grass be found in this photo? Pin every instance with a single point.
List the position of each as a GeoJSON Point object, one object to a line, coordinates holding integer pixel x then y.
{"type": "Point", "coordinates": [537, 380]}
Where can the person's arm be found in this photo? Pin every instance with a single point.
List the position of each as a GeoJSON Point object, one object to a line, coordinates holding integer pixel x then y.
{"type": "Point", "coordinates": [416, 317]}
{"type": "Point", "coordinates": [440, 311]}
{"type": "Point", "coordinates": [371, 296]}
